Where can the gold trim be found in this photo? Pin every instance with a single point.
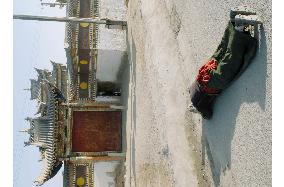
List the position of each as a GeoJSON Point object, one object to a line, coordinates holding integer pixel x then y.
{"type": "Point", "coordinates": [84, 24]}
{"type": "Point", "coordinates": [84, 62]}
{"type": "Point", "coordinates": [84, 85]}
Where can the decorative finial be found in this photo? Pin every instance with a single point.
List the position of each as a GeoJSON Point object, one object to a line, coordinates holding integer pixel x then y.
{"type": "Point", "coordinates": [24, 130]}
{"type": "Point", "coordinates": [27, 143]}
{"type": "Point", "coordinates": [28, 118]}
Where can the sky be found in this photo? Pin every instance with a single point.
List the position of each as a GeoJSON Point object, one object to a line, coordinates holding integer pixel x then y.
{"type": "Point", "coordinates": [35, 43]}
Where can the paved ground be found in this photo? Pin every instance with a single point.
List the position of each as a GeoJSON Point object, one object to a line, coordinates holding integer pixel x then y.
{"type": "Point", "coordinates": [167, 145]}
{"type": "Point", "coordinates": [159, 153]}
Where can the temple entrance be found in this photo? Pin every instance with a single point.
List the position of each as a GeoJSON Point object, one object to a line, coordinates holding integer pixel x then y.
{"type": "Point", "coordinates": [107, 88]}
{"type": "Point", "coordinates": [96, 131]}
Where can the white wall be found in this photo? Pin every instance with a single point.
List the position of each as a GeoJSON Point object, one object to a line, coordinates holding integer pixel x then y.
{"type": "Point", "coordinates": [112, 39]}
{"type": "Point", "coordinates": [101, 178]}
{"type": "Point", "coordinates": [109, 64]}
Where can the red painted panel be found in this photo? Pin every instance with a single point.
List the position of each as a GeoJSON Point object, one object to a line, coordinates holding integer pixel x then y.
{"type": "Point", "coordinates": [96, 131]}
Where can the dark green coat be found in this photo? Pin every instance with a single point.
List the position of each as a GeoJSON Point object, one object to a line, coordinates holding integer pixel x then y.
{"type": "Point", "coordinates": [233, 56]}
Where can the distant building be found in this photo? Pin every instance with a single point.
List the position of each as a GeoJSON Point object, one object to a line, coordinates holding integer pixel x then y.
{"type": "Point", "coordinates": [78, 121]}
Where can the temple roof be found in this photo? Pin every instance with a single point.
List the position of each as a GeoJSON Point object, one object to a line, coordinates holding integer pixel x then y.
{"type": "Point", "coordinates": [48, 89]}
{"type": "Point", "coordinates": [43, 133]}
{"type": "Point", "coordinates": [43, 75]}
{"type": "Point", "coordinates": [73, 43]}
{"type": "Point", "coordinates": [72, 10]}
{"type": "Point", "coordinates": [71, 29]}
{"type": "Point", "coordinates": [43, 129]}
{"type": "Point", "coordinates": [58, 78]}
{"type": "Point", "coordinates": [35, 89]}
{"type": "Point", "coordinates": [50, 174]}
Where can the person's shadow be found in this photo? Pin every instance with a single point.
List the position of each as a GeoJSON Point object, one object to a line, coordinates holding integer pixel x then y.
{"type": "Point", "coordinates": [218, 132]}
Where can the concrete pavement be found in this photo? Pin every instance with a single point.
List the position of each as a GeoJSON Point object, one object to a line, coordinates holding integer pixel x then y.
{"type": "Point", "coordinates": [166, 144]}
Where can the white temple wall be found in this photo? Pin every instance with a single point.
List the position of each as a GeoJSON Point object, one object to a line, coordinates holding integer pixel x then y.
{"type": "Point", "coordinates": [109, 65]}
{"type": "Point", "coordinates": [112, 39]}
{"type": "Point", "coordinates": [104, 174]}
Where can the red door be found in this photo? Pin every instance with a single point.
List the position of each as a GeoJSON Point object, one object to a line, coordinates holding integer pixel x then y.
{"type": "Point", "coordinates": [96, 131]}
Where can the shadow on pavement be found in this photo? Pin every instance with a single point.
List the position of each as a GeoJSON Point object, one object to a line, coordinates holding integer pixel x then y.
{"type": "Point", "coordinates": [218, 133]}
{"type": "Point", "coordinates": [128, 82]}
